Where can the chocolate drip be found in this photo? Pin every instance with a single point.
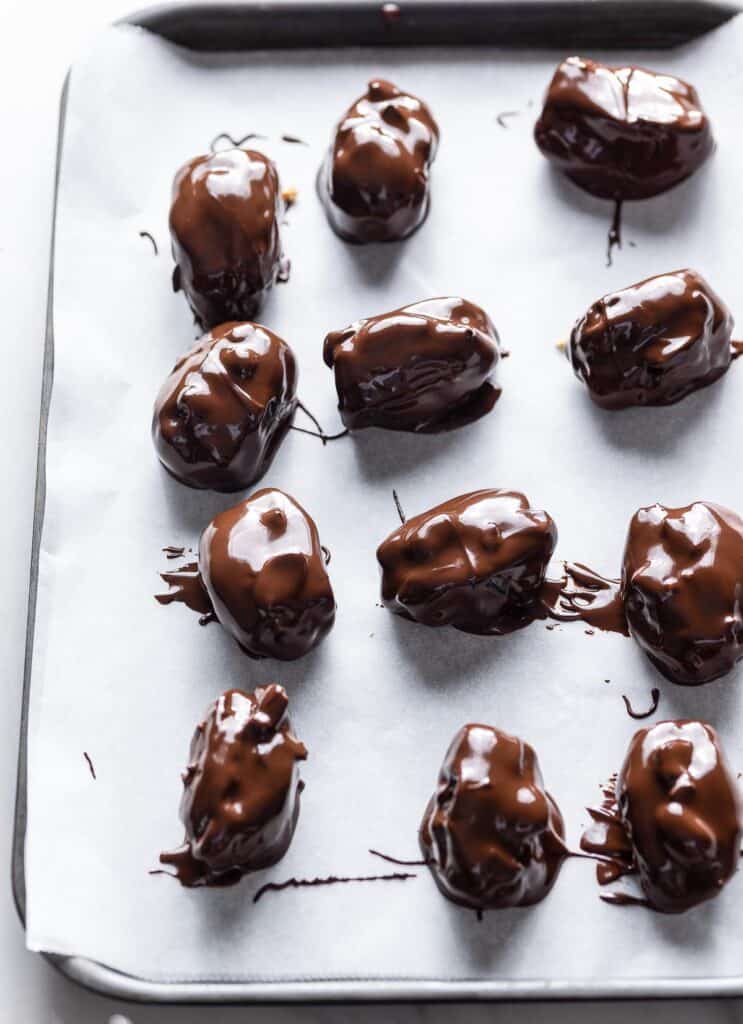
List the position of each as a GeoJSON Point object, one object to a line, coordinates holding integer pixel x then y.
{"type": "Point", "coordinates": [622, 132]}
{"type": "Point", "coordinates": [652, 343]}
{"type": "Point", "coordinates": [263, 570]}
{"type": "Point", "coordinates": [374, 181]}
{"type": "Point", "coordinates": [583, 595]}
{"type": "Point", "coordinates": [614, 236]}
{"type": "Point", "coordinates": [426, 367]}
{"type": "Point", "coordinates": [672, 817]}
{"type": "Point", "coordinates": [655, 697]}
{"type": "Point", "coordinates": [187, 587]}
{"type": "Point", "coordinates": [224, 226]}
{"type": "Point", "coordinates": [476, 562]}
{"type": "Point", "coordinates": [300, 883]}
{"type": "Point", "coordinates": [241, 790]}
{"type": "Point", "coordinates": [225, 408]}
{"type": "Point", "coordinates": [488, 844]}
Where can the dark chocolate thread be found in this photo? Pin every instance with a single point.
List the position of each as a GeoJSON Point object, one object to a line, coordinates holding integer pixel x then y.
{"type": "Point", "coordinates": [395, 860]}
{"type": "Point", "coordinates": [398, 506]}
{"type": "Point", "coordinates": [233, 142]}
{"type": "Point", "coordinates": [299, 883]}
{"type": "Point", "coordinates": [614, 237]}
{"type": "Point", "coordinates": [173, 551]}
{"type": "Point", "coordinates": [504, 114]}
{"type": "Point", "coordinates": [90, 764]}
{"type": "Point", "coordinates": [655, 695]}
{"type": "Point", "coordinates": [146, 234]}
{"type": "Point", "coordinates": [294, 139]}
{"type": "Point", "coordinates": [326, 554]}
{"type": "Point", "coordinates": [322, 435]}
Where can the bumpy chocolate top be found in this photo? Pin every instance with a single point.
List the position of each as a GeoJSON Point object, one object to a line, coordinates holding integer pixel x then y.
{"type": "Point", "coordinates": [652, 343]}
{"type": "Point", "coordinates": [680, 807]}
{"type": "Point", "coordinates": [622, 132]}
{"type": "Point", "coordinates": [241, 789]}
{"type": "Point", "coordinates": [263, 569]}
{"type": "Point", "coordinates": [682, 585]}
{"type": "Point", "coordinates": [374, 182]}
{"type": "Point", "coordinates": [224, 227]}
{"type": "Point", "coordinates": [226, 407]}
{"type": "Point", "coordinates": [491, 834]}
{"type": "Point", "coordinates": [476, 562]}
{"type": "Point", "coordinates": [425, 367]}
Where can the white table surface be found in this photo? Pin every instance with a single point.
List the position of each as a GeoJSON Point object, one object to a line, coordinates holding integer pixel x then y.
{"type": "Point", "coordinates": [36, 54]}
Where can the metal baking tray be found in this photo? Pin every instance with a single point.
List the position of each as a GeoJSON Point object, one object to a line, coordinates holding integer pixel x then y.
{"type": "Point", "coordinates": [563, 25]}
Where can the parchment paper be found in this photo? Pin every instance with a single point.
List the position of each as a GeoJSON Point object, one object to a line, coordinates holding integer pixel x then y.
{"type": "Point", "coordinates": [126, 680]}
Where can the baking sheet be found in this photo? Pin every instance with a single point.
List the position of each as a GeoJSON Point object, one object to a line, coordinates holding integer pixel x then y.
{"type": "Point", "coordinates": [125, 680]}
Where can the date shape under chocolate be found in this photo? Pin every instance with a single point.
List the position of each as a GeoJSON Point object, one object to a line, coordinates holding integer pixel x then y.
{"type": "Point", "coordinates": [424, 368]}
{"type": "Point", "coordinates": [476, 562]}
{"type": "Point", "coordinates": [225, 408]}
{"type": "Point", "coordinates": [241, 789]}
{"type": "Point", "coordinates": [491, 835]}
{"type": "Point", "coordinates": [682, 587]}
{"type": "Point", "coordinates": [374, 183]}
{"type": "Point", "coordinates": [263, 568]}
{"type": "Point", "coordinates": [652, 343]}
{"type": "Point", "coordinates": [622, 132]}
{"type": "Point", "coordinates": [224, 228]}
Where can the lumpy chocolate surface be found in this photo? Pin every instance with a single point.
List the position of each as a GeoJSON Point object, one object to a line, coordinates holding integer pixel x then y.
{"type": "Point", "coordinates": [622, 132]}
{"type": "Point", "coordinates": [652, 343]}
{"type": "Point", "coordinates": [224, 229]}
{"type": "Point", "coordinates": [426, 367]}
{"type": "Point", "coordinates": [240, 789]}
{"type": "Point", "coordinates": [263, 568]}
{"type": "Point", "coordinates": [476, 562]}
{"type": "Point", "coordinates": [672, 816]}
{"type": "Point", "coordinates": [225, 408]}
{"type": "Point", "coordinates": [374, 183]}
{"type": "Point", "coordinates": [491, 835]}
{"type": "Point", "coordinates": [682, 585]}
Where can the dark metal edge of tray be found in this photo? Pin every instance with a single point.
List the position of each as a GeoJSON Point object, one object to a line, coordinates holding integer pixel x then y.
{"type": "Point", "coordinates": [331, 23]}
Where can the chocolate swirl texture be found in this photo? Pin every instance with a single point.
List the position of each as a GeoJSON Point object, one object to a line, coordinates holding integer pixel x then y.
{"type": "Point", "coordinates": [682, 587]}
{"type": "Point", "coordinates": [622, 132]}
{"type": "Point", "coordinates": [241, 789]}
{"type": "Point", "coordinates": [226, 407]}
{"type": "Point", "coordinates": [680, 808]}
{"type": "Point", "coordinates": [224, 228]}
{"type": "Point", "coordinates": [491, 835]}
{"type": "Point", "coordinates": [262, 566]}
{"type": "Point", "coordinates": [652, 343]}
{"type": "Point", "coordinates": [424, 368]}
{"type": "Point", "coordinates": [476, 562]}
{"type": "Point", "coordinates": [374, 183]}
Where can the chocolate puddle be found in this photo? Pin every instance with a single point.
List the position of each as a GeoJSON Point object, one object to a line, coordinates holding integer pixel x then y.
{"type": "Point", "coordinates": [187, 588]}
{"type": "Point", "coordinates": [582, 595]}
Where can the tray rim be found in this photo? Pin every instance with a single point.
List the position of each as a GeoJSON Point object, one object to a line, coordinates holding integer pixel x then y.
{"type": "Point", "coordinates": [103, 980]}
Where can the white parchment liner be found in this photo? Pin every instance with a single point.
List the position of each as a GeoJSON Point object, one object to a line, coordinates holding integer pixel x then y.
{"type": "Point", "coordinates": [126, 680]}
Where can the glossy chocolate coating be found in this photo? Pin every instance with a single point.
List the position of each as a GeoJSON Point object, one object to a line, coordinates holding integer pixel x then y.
{"type": "Point", "coordinates": [241, 788]}
{"type": "Point", "coordinates": [652, 343]}
{"type": "Point", "coordinates": [679, 805]}
{"type": "Point", "coordinates": [424, 368]}
{"type": "Point", "coordinates": [374, 181]}
{"type": "Point", "coordinates": [682, 585]}
{"type": "Point", "coordinates": [476, 562]}
{"type": "Point", "coordinates": [491, 834]}
{"type": "Point", "coordinates": [263, 569]}
{"type": "Point", "coordinates": [622, 132]}
{"type": "Point", "coordinates": [226, 407]}
{"type": "Point", "coordinates": [224, 227]}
